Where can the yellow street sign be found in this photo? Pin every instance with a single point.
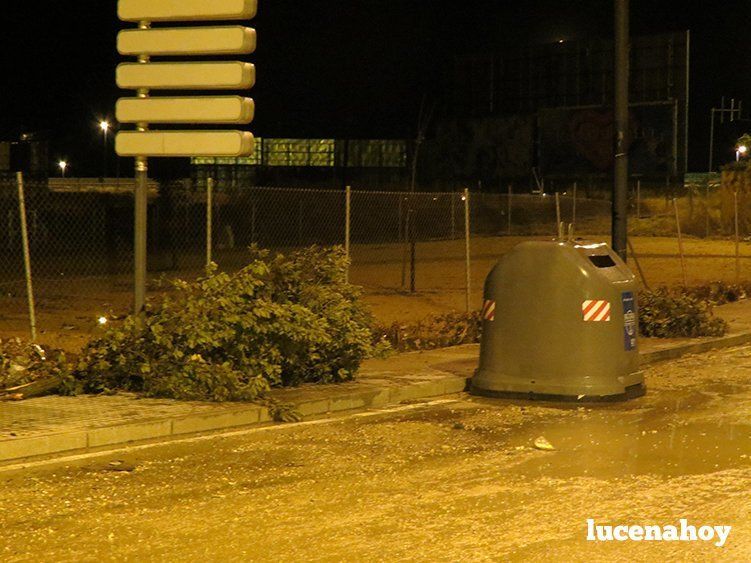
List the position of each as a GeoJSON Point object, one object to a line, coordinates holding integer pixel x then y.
{"type": "Point", "coordinates": [184, 143]}
{"type": "Point", "coordinates": [186, 10]}
{"type": "Point", "coordinates": [226, 75]}
{"type": "Point", "coordinates": [195, 109]}
{"type": "Point", "coordinates": [228, 40]}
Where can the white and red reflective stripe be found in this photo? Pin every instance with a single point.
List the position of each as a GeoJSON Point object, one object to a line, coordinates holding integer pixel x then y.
{"type": "Point", "coordinates": [488, 310]}
{"type": "Point", "coordinates": [596, 310]}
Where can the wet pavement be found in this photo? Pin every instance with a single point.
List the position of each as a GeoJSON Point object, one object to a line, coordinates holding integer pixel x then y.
{"type": "Point", "coordinates": [453, 480]}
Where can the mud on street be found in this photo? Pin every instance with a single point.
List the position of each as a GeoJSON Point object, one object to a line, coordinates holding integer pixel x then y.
{"type": "Point", "coordinates": [452, 480]}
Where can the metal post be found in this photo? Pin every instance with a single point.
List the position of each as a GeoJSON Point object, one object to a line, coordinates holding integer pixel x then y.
{"type": "Point", "coordinates": [680, 243]}
{"type": "Point", "coordinates": [638, 199]}
{"type": "Point", "coordinates": [620, 187]}
{"type": "Point", "coordinates": [688, 100]}
{"type": "Point", "coordinates": [253, 223]}
{"type": "Point", "coordinates": [711, 139]}
{"type": "Point", "coordinates": [706, 207]}
{"type": "Point", "coordinates": [299, 223]}
{"type": "Point", "coordinates": [573, 208]}
{"type": "Point", "coordinates": [453, 217]}
{"type": "Point", "coordinates": [141, 206]}
{"type": "Point", "coordinates": [140, 235]}
{"type": "Point", "coordinates": [737, 241]}
{"type": "Point", "coordinates": [209, 221]}
{"type": "Point", "coordinates": [412, 250]}
{"type": "Point", "coordinates": [26, 256]}
{"type": "Point", "coordinates": [466, 250]}
{"type": "Point", "coordinates": [633, 256]}
{"type": "Point", "coordinates": [510, 194]}
{"type": "Point", "coordinates": [558, 224]}
{"type": "Point", "coordinates": [347, 218]}
{"type": "Point", "coordinates": [405, 245]}
{"type": "Point", "coordinates": [104, 152]}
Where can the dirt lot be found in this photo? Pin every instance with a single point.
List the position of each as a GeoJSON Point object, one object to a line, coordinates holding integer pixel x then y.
{"type": "Point", "coordinates": [68, 309]}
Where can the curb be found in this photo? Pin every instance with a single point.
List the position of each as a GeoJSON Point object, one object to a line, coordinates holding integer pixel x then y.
{"type": "Point", "coordinates": [695, 348]}
{"type": "Point", "coordinates": [81, 441]}
{"type": "Point", "coordinates": [370, 395]}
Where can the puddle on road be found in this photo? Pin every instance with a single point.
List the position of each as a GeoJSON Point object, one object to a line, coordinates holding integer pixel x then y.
{"type": "Point", "coordinates": [605, 445]}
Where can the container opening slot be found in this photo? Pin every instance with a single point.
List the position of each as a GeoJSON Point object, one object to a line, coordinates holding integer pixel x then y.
{"type": "Point", "coordinates": [602, 261]}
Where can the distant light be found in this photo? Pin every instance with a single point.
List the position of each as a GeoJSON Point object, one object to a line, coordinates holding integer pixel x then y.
{"type": "Point", "coordinates": [743, 149]}
{"type": "Point", "coordinates": [104, 125]}
{"type": "Point", "coordinates": [63, 165]}
{"type": "Point", "coordinates": [561, 41]}
{"type": "Point", "coordinates": [102, 320]}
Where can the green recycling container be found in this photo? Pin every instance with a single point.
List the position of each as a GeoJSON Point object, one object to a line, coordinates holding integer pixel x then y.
{"type": "Point", "coordinates": [559, 321]}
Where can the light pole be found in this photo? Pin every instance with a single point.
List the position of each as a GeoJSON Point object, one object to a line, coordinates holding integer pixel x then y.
{"type": "Point", "coordinates": [620, 184]}
{"type": "Point", "coordinates": [62, 165]}
{"type": "Point", "coordinates": [105, 127]}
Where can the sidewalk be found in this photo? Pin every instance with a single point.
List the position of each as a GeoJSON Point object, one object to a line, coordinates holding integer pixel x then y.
{"type": "Point", "coordinates": [53, 425]}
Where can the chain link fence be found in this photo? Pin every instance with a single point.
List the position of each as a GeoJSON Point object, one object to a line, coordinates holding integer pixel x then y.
{"type": "Point", "coordinates": [409, 251]}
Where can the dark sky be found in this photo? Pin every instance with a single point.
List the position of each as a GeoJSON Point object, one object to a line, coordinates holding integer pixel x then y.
{"type": "Point", "coordinates": [339, 67]}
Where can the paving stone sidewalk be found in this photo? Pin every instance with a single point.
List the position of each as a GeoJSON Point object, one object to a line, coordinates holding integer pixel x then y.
{"type": "Point", "coordinates": [56, 425]}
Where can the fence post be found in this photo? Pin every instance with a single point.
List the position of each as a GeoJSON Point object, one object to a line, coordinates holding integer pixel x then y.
{"type": "Point", "coordinates": [209, 221]}
{"type": "Point", "coordinates": [706, 208]}
{"type": "Point", "coordinates": [573, 210]}
{"type": "Point", "coordinates": [453, 217]}
{"type": "Point", "coordinates": [253, 223]}
{"type": "Point", "coordinates": [466, 249]}
{"type": "Point", "coordinates": [347, 219]}
{"type": "Point", "coordinates": [26, 256]}
{"type": "Point", "coordinates": [680, 243]}
{"type": "Point", "coordinates": [737, 241]}
{"type": "Point", "coordinates": [508, 219]}
{"type": "Point", "coordinates": [299, 222]}
{"type": "Point", "coordinates": [632, 255]}
{"type": "Point", "coordinates": [638, 199]}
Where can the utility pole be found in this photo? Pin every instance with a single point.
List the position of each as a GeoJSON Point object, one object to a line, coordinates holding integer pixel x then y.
{"type": "Point", "coordinates": [620, 185]}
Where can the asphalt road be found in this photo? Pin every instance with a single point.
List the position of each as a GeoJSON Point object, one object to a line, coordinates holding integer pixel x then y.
{"type": "Point", "coordinates": [455, 480]}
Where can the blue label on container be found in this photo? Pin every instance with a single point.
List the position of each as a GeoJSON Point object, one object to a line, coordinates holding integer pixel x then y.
{"type": "Point", "coordinates": [629, 321]}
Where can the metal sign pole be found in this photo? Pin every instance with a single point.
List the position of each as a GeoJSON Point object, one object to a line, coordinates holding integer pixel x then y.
{"type": "Point", "coordinates": [139, 239]}
{"type": "Point", "coordinates": [209, 222]}
{"type": "Point", "coordinates": [141, 211]}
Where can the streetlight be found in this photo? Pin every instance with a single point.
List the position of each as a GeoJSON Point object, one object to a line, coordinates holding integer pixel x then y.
{"type": "Point", "coordinates": [62, 165]}
{"type": "Point", "coordinates": [105, 127]}
{"type": "Point", "coordinates": [740, 151]}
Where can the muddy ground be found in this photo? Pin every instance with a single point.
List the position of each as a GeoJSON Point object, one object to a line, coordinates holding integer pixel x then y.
{"type": "Point", "coordinates": [456, 480]}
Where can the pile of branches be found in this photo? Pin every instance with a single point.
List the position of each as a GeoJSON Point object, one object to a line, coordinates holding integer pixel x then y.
{"type": "Point", "coordinates": [30, 370]}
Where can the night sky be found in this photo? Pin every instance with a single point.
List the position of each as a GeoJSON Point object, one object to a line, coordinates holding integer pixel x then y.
{"type": "Point", "coordinates": [355, 68]}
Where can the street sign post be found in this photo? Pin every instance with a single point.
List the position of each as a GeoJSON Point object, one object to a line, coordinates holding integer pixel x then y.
{"type": "Point", "coordinates": [145, 76]}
